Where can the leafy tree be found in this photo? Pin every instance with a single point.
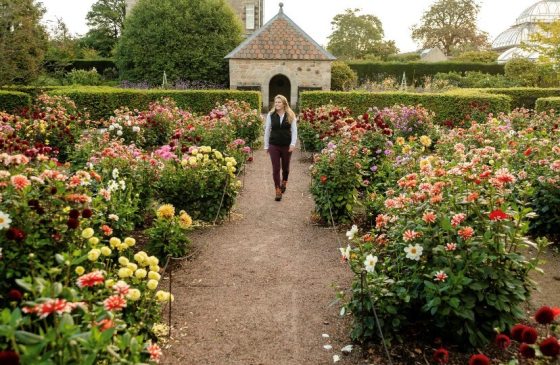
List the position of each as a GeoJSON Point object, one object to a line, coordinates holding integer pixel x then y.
{"type": "Point", "coordinates": [355, 36]}
{"type": "Point", "coordinates": [546, 42]}
{"type": "Point", "coordinates": [188, 39]}
{"type": "Point", "coordinates": [62, 44]}
{"type": "Point", "coordinates": [448, 24]}
{"type": "Point", "coordinates": [106, 22]}
{"type": "Point", "coordinates": [22, 41]}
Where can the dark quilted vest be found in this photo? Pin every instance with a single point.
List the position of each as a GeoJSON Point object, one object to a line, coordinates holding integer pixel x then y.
{"type": "Point", "coordinates": [280, 131]}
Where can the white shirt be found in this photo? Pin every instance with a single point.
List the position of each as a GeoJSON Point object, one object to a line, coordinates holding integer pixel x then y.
{"type": "Point", "coordinates": [268, 127]}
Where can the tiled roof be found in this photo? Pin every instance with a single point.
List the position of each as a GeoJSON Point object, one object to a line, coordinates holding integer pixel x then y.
{"type": "Point", "coordinates": [280, 39]}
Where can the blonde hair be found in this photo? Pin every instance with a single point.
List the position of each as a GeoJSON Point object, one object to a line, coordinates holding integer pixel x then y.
{"type": "Point", "coordinates": [289, 111]}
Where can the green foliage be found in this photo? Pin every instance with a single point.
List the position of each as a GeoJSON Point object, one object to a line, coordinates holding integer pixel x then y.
{"type": "Point", "coordinates": [106, 22]}
{"type": "Point", "coordinates": [22, 41]}
{"type": "Point", "coordinates": [525, 97]}
{"type": "Point", "coordinates": [449, 24]}
{"type": "Point", "coordinates": [546, 104]}
{"type": "Point", "coordinates": [522, 70]}
{"type": "Point", "coordinates": [204, 184]}
{"type": "Point", "coordinates": [101, 102]}
{"type": "Point", "coordinates": [477, 56]}
{"type": "Point", "coordinates": [453, 106]}
{"type": "Point", "coordinates": [12, 101]}
{"type": "Point", "coordinates": [416, 71]}
{"type": "Point", "coordinates": [475, 79]}
{"type": "Point", "coordinates": [83, 77]}
{"type": "Point", "coordinates": [99, 64]}
{"type": "Point", "coordinates": [342, 77]}
{"type": "Point", "coordinates": [404, 57]}
{"type": "Point", "coordinates": [189, 41]}
{"type": "Point", "coordinates": [355, 36]}
{"type": "Point", "coordinates": [546, 42]}
{"type": "Point", "coordinates": [168, 234]}
{"type": "Point", "coordinates": [62, 44]}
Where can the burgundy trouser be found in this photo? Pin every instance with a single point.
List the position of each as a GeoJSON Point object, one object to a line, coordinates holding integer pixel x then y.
{"type": "Point", "coordinates": [278, 153]}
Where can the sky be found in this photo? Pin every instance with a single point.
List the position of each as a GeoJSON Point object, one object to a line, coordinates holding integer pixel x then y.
{"type": "Point", "coordinates": [315, 16]}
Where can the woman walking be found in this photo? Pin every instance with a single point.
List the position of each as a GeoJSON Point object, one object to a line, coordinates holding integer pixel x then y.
{"type": "Point", "coordinates": [280, 136]}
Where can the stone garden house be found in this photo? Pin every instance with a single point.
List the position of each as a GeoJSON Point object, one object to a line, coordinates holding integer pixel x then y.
{"type": "Point", "coordinates": [280, 58]}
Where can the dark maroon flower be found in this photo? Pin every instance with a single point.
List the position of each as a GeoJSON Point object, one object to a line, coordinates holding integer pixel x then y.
{"type": "Point", "coordinates": [441, 356]}
{"type": "Point", "coordinates": [479, 359]}
{"type": "Point", "coordinates": [53, 190]}
{"type": "Point", "coordinates": [33, 203]}
{"type": "Point", "coordinates": [550, 347]}
{"type": "Point", "coordinates": [526, 351]}
{"type": "Point", "coordinates": [517, 331]}
{"type": "Point", "coordinates": [544, 315]}
{"type": "Point", "coordinates": [87, 213]}
{"type": "Point", "coordinates": [15, 294]}
{"type": "Point", "coordinates": [56, 236]}
{"type": "Point", "coordinates": [503, 341]}
{"type": "Point", "coordinates": [74, 213]}
{"type": "Point", "coordinates": [72, 223]}
{"type": "Point", "coordinates": [529, 335]}
{"type": "Point", "coordinates": [15, 234]}
{"type": "Point", "coordinates": [9, 358]}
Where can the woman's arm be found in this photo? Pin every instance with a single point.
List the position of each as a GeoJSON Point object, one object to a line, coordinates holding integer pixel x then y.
{"type": "Point", "coordinates": [294, 135]}
{"type": "Point", "coordinates": [267, 126]}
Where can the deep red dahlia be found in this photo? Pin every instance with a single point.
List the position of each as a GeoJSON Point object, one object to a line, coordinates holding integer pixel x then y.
{"type": "Point", "coordinates": [15, 234]}
{"type": "Point", "coordinates": [74, 213]}
{"type": "Point", "coordinates": [516, 332]}
{"type": "Point", "coordinates": [526, 351]}
{"type": "Point", "coordinates": [15, 294]}
{"type": "Point", "coordinates": [550, 347]}
{"type": "Point", "coordinates": [441, 356]}
{"type": "Point", "coordinates": [529, 335]}
{"type": "Point", "coordinates": [544, 315]}
{"type": "Point", "coordinates": [479, 359]}
{"type": "Point", "coordinates": [503, 341]}
{"type": "Point", "coordinates": [87, 213]}
{"type": "Point", "coordinates": [498, 215]}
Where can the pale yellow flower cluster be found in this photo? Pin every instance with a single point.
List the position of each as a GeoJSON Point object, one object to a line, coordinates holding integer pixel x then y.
{"type": "Point", "coordinates": [185, 220]}
{"type": "Point", "coordinates": [166, 211]}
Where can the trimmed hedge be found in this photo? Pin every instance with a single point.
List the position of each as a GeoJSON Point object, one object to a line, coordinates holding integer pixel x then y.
{"type": "Point", "coordinates": [100, 65]}
{"type": "Point", "coordinates": [546, 104]}
{"type": "Point", "coordinates": [524, 97]}
{"type": "Point", "coordinates": [101, 102]}
{"type": "Point", "coordinates": [417, 70]}
{"type": "Point", "coordinates": [450, 106]}
{"type": "Point", "coordinates": [13, 101]}
{"type": "Point", "coordinates": [34, 91]}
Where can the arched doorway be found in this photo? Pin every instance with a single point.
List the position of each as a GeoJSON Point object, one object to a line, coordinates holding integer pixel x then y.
{"type": "Point", "coordinates": [279, 84]}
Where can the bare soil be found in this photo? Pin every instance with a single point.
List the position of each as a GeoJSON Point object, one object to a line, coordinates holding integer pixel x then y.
{"type": "Point", "coordinates": [261, 289]}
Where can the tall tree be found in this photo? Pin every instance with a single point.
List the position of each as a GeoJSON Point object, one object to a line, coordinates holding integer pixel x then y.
{"type": "Point", "coordinates": [106, 22]}
{"type": "Point", "coordinates": [62, 44]}
{"type": "Point", "coordinates": [22, 41]}
{"type": "Point", "coordinates": [449, 24]}
{"type": "Point", "coordinates": [546, 42]}
{"type": "Point", "coordinates": [355, 36]}
{"type": "Point", "coordinates": [188, 39]}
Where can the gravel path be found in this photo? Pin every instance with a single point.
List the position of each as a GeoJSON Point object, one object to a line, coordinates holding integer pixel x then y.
{"type": "Point", "coordinates": [260, 290]}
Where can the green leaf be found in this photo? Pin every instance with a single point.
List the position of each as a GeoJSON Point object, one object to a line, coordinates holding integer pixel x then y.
{"type": "Point", "coordinates": [28, 338]}
{"type": "Point", "coordinates": [24, 285]}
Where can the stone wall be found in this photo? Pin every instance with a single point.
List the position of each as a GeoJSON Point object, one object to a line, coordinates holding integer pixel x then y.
{"type": "Point", "coordinates": [245, 73]}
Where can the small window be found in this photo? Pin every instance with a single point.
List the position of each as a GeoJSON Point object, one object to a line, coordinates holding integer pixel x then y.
{"type": "Point", "coordinates": [250, 16]}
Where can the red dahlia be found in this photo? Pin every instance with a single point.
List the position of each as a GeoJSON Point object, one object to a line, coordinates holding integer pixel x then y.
{"type": "Point", "coordinates": [516, 332]}
{"type": "Point", "coordinates": [9, 357]}
{"type": "Point", "coordinates": [479, 359]}
{"type": "Point", "coordinates": [441, 356]}
{"type": "Point", "coordinates": [550, 347]}
{"type": "Point", "coordinates": [544, 315]}
{"type": "Point", "coordinates": [526, 351]}
{"type": "Point", "coordinates": [503, 341]}
{"type": "Point", "coordinates": [498, 215]}
{"type": "Point", "coordinates": [529, 335]}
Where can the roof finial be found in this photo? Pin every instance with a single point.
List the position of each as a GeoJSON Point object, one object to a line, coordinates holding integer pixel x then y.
{"type": "Point", "coordinates": [281, 6]}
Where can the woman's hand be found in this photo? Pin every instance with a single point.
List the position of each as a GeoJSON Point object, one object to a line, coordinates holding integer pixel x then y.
{"type": "Point", "coordinates": [292, 148]}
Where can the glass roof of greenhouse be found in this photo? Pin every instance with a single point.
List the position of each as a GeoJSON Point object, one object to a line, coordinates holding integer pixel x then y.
{"type": "Point", "coordinates": [527, 24]}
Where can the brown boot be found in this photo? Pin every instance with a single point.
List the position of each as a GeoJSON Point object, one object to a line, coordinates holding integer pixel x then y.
{"type": "Point", "coordinates": [283, 186]}
{"type": "Point", "coordinates": [278, 195]}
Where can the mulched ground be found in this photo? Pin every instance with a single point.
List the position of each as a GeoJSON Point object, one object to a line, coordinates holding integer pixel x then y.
{"type": "Point", "coordinates": [261, 287]}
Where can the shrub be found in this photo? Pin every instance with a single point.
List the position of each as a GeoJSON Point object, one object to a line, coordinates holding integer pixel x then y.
{"type": "Point", "coordinates": [524, 97]}
{"type": "Point", "coordinates": [168, 234]}
{"type": "Point", "coordinates": [83, 77]}
{"type": "Point", "coordinates": [201, 181]}
{"type": "Point", "coordinates": [13, 101]}
{"type": "Point", "coordinates": [547, 104]}
{"type": "Point", "coordinates": [522, 70]}
{"type": "Point", "coordinates": [477, 56]}
{"type": "Point", "coordinates": [416, 71]}
{"type": "Point", "coordinates": [101, 102]}
{"type": "Point", "coordinates": [342, 77]}
{"type": "Point", "coordinates": [450, 107]}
